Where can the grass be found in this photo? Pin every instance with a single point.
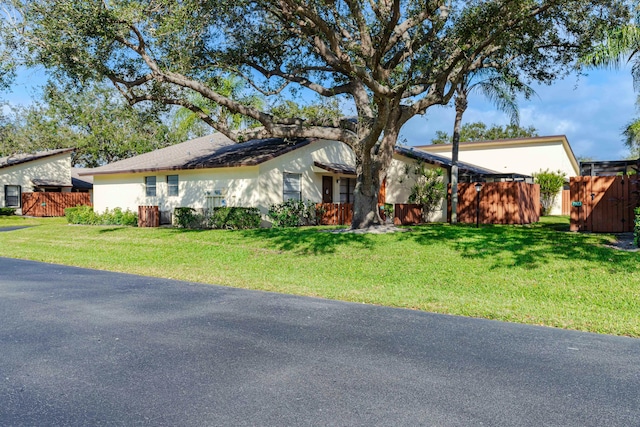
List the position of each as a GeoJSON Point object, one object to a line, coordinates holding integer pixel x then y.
{"type": "Point", "coordinates": [539, 274]}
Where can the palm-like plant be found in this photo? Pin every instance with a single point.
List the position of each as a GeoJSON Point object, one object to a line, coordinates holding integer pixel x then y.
{"type": "Point", "coordinates": [500, 88]}
{"type": "Point", "coordinates": [621, 46]}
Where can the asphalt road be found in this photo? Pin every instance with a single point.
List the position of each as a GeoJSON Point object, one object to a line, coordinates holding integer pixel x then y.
{"type": "Point", "coordinates": [89, 348]}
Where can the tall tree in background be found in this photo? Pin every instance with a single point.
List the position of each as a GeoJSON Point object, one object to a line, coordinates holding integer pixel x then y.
{"type": "Point", "coordinates": [390, 59]}
{"type": "Point", "coordinates": [501, 88]}
{"type": "Point", "coordinates": [478, 131]}
{"type": "Point", "coordinates": [95, 120]}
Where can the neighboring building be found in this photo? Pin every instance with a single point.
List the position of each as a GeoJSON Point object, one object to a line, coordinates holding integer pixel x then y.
{"type": "Point", "coordinates": [524, 156]}
{"type": "Point", "coordinates": [48, 171]}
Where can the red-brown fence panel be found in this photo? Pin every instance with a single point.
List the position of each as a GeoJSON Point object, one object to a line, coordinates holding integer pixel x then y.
{"type": "Point", "coordinates": [42, 204]}
{"type": "Point", "coordinates": [603, 204]}
{"type": "Point", "coordinates": [498, 203]}
{"type": "Point", "coordinates": [335, 213]}
{"type": "Point", "coordinates": [407, 214]}
{"type": "Point", "coordinates": [148, 216]}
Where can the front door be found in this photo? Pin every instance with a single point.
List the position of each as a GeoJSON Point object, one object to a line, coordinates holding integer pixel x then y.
{"type": "Point", "coordinates": [327, 189]}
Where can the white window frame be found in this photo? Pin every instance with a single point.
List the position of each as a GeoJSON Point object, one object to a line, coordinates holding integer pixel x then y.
{"type": "Point", "coordinates": [19, 196]}
{"type": "Point", "coordinates": [148, 186]}
{"type": "Point", "coordinates": [173, 189]}
{"type": "Point", "coordinates": [289, 184]}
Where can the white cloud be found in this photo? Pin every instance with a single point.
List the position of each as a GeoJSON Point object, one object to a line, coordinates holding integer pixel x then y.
{"type": "Point", "coordinates": [590, 110]}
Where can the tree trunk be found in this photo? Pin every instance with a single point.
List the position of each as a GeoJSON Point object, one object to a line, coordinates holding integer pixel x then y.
{"type": "Point", "coordinates": [365, 196]}
{"type": "Point", "coordinates": [461, 106]}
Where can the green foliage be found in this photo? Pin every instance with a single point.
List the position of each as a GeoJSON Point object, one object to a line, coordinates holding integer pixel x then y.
{"type": "Point", "coordinates": [478, 131]}
{"type": "Point", "coordinates": [233, 218]}
{"type": "Point", "coordinates": [186, 217]}
{"type": "Point", "coordinates": [550, 184]}
{"type": "Point", "coordinates": [94, 120]}
{"type": "Point", "coordinates": [293, 213]}
{"type": "Point", "coordinates": [387, 63]}
{"type": "Point", "coordinates": [428, 190]}
{"type": "Point", "coordinates": [86, 216]}
{"type": "Point", "coordinates": [636, 227]}
{"type": "Point", "coordinates": [7, 211]}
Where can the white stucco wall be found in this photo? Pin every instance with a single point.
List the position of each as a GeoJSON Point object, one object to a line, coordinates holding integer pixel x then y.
{"type": "Point", "coordinates": [53, 168]}
{"type": "Point", "coordinates": [127, 191]}
{"type": "Point", "coordinates": [253, 186]}
{"type": "Point", "coordinates": [522, 158]}
{"type": "Point", "coordinates": [399, 184]}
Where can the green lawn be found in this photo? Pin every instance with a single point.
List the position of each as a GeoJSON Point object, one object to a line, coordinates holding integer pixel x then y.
{"type": "Point", "coordinates": [539, 274]}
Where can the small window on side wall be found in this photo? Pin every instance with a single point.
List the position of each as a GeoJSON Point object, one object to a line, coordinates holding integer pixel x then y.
{"type": "Point", "coordinates": [292, 186]}
{"type": "Point", "coordinates": [12, 196]}
{"type": "Point", "coordinates": [150, 186]}
{"type": "Point", "coordinates": [172, 185]}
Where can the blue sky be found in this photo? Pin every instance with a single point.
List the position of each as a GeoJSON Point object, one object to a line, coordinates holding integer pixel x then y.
{"type": "Point", "coordinates": [590, 110]}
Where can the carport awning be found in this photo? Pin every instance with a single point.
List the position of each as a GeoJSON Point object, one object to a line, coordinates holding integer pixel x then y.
{"type": "Point", "coordinates": [337, 168]}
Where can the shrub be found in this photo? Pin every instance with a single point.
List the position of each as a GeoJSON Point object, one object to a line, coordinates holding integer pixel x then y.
{"type": "Point", "coordinates": [85, 215]}
{"type": "Point", "coordinates": [7, 211]}
{"type": "Point", "coordinates": [428, 191]}
{"type": "Point", "coordinates": [550, 184]}
{"type": "Point", "coordinates": [293, 213]}
{"type": "Point", "coordinates": [636, 227]}
{"type": "Point", "coordinates": [81, 215]}
{"type": "Point", "coordinates": [185, 217]}
{"type": "Point", "coordinates": [235, 218]}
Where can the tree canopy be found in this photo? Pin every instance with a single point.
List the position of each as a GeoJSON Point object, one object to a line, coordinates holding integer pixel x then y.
{"type": "Point", "coordinates": [95, 120]}
{"type": "Point", "coordinates": [390, 60]}
{"type": "Point", "coordinates": [478, 131]}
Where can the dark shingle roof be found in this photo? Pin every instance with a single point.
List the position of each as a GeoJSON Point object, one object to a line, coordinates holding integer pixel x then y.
{"type": "Point", "coordinates": [213, 151]}
{"type": "Point", "coordinates": [17, 159]}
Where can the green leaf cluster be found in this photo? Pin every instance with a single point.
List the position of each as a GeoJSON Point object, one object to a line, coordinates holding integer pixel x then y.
{"type": "Point", "coordinates": [85, 215]}
{"type": "Point", "coordinates": [293, 213]}
{"type": "Point", "coordinates": [428, 191]}
{"type": "Point", "coordinates": [550, 184]}
{"type": "Point", "coordinates": [478, 131]}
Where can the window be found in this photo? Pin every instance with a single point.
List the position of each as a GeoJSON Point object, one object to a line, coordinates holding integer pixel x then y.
{"type": "Point", "coordinates": [150, 186]}
{"type": "Point", "coordinates": [292, 187]}
{"type": "Point", "coordinates": [216, 198]}
{"type": "Point", "coordinates": [12, 196]}
{"type": "Point", "coordinates": [347, 185]}
{"type": "Point", "coordinates": [172, 185]}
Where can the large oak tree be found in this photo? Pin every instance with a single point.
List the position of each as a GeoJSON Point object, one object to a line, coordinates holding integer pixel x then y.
{"type": "Point", "coordinates": [390, 60]}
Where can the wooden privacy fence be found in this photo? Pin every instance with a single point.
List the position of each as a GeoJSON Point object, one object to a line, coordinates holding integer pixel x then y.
{"type": "Point", "coordinates": [43, 204]}
{"type": "Point", "coordinates": [603, 204]}
{"type": "Point", "coordinates": [499, 203]}
{"type": "Point", "coordinates": [148, 216]}
{"type": "Point", "coordinates": [342, 213]}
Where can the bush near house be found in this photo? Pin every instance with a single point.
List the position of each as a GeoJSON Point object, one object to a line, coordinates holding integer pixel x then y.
{"type": "Point", "coordinates": [7, 211]}
{"type": "Point", "coordinates": [428, 191]}
{"type": "Point", "coordinates": [636, 228]}
{"type": "Point", "coordinates": [550, 184]}
{"type": "Point", "coordinates": [293, 213]}
{"type": "Point", "coordinates": [235, 218]}
{"type": "Point", "coordinates": [86, 216]}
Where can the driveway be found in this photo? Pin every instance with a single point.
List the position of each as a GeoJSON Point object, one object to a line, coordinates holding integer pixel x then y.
{"type": "Point", "coordinates": [81, 347]}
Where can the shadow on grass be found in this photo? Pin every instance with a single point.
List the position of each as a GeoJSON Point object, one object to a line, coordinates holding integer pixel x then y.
{"type": "Point", "coordinates": [524, 246]}
{"type": "Point", "coordinates": [309, 240]}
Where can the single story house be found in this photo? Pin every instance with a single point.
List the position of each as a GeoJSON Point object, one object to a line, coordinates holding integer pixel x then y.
{"type": "Point", "coordinates": [48, 171]}
{"type": "Point", "coordinates": [213, 171]}
{"type": "Point", "coordinates": [524, 156]}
